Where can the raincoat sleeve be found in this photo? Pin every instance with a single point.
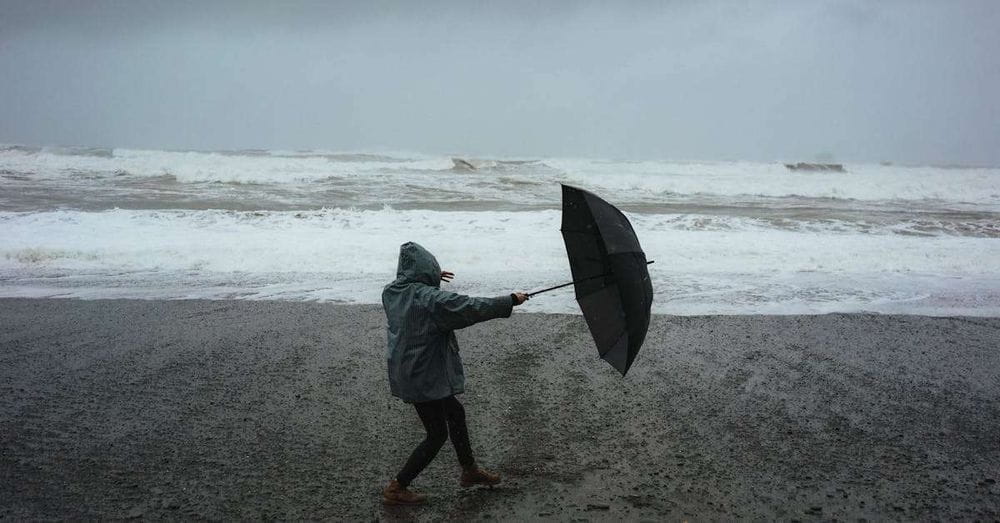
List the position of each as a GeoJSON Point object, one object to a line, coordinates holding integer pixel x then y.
{"type": "Point", "coordinates": [450, 311]}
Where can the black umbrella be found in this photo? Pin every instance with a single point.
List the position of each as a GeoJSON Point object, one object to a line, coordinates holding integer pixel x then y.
{"type": "Point", "coordinates": [609, 272]}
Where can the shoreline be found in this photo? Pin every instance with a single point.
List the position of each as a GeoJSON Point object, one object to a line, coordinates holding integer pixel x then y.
{"type": "Point", "coordinates": [281, 410]}
{"type": "Point", "coordinates": [570, 308]}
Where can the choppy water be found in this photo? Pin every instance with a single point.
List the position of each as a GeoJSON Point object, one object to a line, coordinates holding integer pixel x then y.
{"type": "Point", "coordinates": [727, 237]}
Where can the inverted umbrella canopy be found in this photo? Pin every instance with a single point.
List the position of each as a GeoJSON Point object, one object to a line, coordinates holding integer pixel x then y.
{"type": "Point", "coordinates": [610, 276]}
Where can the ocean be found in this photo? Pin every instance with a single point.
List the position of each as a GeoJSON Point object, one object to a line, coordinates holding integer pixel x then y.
{"type": "Point", "coordinates": [727, 237]}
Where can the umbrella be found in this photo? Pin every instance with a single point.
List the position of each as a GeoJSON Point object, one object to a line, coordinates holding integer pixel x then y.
{"type": "Point", "coordinates": [609, 275]}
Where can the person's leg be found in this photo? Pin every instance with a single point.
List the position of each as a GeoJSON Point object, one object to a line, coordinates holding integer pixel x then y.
{"type": "Point", "coordinates": [458, 431]}
{"type": "Point", "coordinates": [471, 473]}
{"type": "Point", "coordinates": [432, 415]}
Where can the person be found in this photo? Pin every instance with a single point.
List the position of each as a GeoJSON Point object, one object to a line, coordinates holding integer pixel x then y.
{"type": "Point", "coordinates": [424, 366]}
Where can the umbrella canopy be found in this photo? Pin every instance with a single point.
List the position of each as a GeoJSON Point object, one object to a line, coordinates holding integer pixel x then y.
{"type": "Point", "coordinates": [609, 272]}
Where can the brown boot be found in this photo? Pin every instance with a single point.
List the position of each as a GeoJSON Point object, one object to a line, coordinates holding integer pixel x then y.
{"type": "Point", "coordinates": [396, 494]}
{"type": "Point", "coordinates": [478, 476]}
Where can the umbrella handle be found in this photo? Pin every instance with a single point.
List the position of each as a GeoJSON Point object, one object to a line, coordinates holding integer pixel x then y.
{"type": "Point", "coordinates": [530, 294]}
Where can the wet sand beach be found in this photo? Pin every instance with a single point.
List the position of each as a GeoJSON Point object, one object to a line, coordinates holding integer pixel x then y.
{"type": "Point", "coordinates": [279, 410]}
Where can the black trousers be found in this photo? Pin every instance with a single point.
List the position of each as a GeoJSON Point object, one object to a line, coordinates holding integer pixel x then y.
{"type": "Point", "coordinates": [441, 418]}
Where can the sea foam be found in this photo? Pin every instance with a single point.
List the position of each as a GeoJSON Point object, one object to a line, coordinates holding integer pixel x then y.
{"type": "Point", "coordinates": [348, 255]}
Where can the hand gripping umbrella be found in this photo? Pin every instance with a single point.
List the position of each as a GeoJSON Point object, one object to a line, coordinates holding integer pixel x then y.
{"type": "Point", "coordinates": [609, 275]}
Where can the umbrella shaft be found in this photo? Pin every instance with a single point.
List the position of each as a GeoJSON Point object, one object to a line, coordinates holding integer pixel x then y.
{"type": "Point", "coordinates": [530, 294]}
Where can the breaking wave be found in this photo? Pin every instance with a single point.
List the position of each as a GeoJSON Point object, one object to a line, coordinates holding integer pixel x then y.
{"type": "Point", "coordinates": [621, 181]}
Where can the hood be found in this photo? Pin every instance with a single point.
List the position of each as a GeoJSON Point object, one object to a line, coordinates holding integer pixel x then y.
{"type": "Point", "coordinates": [417, 264]}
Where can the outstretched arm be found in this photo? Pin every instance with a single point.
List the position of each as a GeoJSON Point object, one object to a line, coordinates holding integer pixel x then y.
{"type": "Point", "coordinates": [451, 311]}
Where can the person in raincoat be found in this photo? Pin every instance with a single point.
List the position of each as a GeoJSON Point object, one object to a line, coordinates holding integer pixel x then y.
{"type": "Point", "coordinates": [425, 368]}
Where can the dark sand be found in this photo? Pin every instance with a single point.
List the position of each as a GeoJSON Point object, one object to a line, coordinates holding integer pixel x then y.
{"type": "Point", "coordinates": [225, 410]}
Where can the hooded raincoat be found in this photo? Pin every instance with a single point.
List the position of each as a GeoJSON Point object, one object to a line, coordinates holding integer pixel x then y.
{"type": "Point", "coordinates": [422, 354]}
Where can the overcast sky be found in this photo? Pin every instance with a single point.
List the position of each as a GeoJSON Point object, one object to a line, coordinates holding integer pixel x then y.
{"type": "Point", "coordinates": [905, 81]}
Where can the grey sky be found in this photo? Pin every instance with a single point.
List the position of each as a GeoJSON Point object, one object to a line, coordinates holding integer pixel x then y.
{"type": "Point", "coordinates": [906, 81]}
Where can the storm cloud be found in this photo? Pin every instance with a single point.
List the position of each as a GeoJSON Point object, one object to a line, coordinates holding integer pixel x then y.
{"type": "Point", "coordinates": [910, 82]}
